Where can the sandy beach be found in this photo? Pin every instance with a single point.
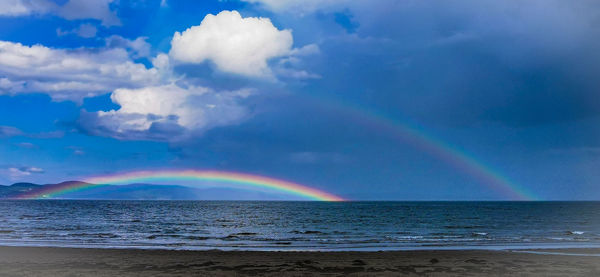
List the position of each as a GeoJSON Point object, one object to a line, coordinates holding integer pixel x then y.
{"type": "Point", "coordinates": [45, 261]}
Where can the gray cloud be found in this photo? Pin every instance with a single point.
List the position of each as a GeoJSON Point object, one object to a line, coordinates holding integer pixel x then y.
{"type": "Point", "coordinates": [137, 47]}
{"type": "Point", "coordinates": [461, 62]}
{"type": "Point", "coordinates": [96, 9]}
{"type": "Point", "coordinates": [25, 7]}
{"type": "Point", "coordinates": [85, 30]}
{"type": "Point", "coordinates": [9, 131]}
{"type": "Point", "coordinates": [18, 172]}
{"type": "Point", "coordinates": [71, 10]}
{"type": "Point", "coordinates": [27, 145]}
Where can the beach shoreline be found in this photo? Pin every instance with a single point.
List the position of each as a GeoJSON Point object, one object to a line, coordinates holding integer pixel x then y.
{"type": "Point", "coordinates": [58, 261]}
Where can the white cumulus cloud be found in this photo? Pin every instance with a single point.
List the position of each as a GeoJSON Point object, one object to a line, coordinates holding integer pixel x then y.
{"type": "Point", "coordinates": [165, 112]}
{"type": "Point", "coordinates": [164, 103]}
{"type": "Point", "coordinates": [234, 44]}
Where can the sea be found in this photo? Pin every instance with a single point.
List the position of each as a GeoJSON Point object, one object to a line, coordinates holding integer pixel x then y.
{"type": "Point", "coordinates": [290, 225]}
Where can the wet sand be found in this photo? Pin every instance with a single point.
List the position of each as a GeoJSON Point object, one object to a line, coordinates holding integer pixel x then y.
{"type": "Point", "coordinates": [47, 261]}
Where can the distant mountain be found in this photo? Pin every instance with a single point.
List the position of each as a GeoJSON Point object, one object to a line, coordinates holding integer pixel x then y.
{"type": "Point", "coordinates": [143, 192]}
{"type": "Point", "coordinates": [17, 189]}
{"type": "Point", "coordinates": [135, 192]}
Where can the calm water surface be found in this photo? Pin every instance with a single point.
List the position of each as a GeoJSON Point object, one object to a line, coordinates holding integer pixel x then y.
{"type": "Point", "coordinates": [260, 225]}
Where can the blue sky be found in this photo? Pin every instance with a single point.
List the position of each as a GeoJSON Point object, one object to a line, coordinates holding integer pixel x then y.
{"type": "Point", "coordinates": [301, 90]}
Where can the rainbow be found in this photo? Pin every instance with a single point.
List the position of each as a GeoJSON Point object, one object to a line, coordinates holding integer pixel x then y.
{"type": "Point", "coordinates": [240, 179]}
{"type": "Point", "coordinates": [415, 135]}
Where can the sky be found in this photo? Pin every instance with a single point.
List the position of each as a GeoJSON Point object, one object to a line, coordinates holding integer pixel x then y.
{"type": "Point", "coordinates": [368, 100]}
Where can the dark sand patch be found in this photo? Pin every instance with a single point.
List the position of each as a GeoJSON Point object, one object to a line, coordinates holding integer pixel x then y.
{"type": "Point", "coordinates": [41, 261]}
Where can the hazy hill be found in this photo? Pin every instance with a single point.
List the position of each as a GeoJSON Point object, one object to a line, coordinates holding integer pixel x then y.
{"type": "Point", "coordinates": [17, 189]}
{"type": "Point", "coordinates": [144, 192]}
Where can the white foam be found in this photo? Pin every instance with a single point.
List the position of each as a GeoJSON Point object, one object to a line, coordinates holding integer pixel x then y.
{"type": "Point", "coordinates": [557, 253]}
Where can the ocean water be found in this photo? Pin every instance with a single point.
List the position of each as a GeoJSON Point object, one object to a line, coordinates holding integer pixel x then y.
{"type": "Point", "coordinates": [263, 225]}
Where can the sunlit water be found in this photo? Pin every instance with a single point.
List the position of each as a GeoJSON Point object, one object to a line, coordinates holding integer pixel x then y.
{"type": "Point", "coordinates": [260, 225]}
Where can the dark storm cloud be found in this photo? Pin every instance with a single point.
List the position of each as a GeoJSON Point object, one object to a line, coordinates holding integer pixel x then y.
{"type": "Point", "coordinates": [519, 63]}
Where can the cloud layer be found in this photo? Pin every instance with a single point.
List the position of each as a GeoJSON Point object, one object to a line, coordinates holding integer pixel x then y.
{"type": "Point", "coordinates": [155, 101]}
{"type": "Point", "coordinates": [69, 74]}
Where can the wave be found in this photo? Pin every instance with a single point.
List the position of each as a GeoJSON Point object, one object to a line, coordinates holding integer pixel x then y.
{"type": "Point", "coordinates": [308, 232]}
{"type": "Point", "coordinates": [97, 235]}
